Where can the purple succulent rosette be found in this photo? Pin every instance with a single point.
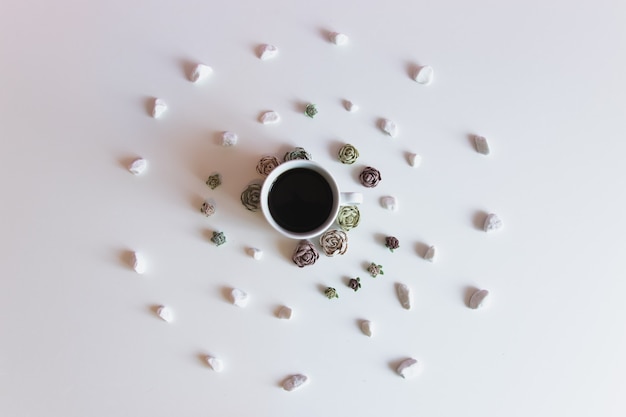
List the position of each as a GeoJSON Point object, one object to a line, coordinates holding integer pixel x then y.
{"type": "Point", "coordinates": [305, 254]}
{"type": "Point", "coordinates": [267, 164]}
{"type": "Point", "coordinates": [392, 243]}
{"type": "Point", "coordinates": [348, 154]}
{"type": "Point", "coordinates": [370, 177]}
{"type": "Point", "coordinates": [251, 197]}
{"type": "Point", "coordinates": [334, 242]}
{"type": "Point", "coordinates": [297, 153]}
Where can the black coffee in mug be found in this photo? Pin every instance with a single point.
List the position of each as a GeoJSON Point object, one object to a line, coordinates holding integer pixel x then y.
{"type": "Point", "coordinates": [300, 200]}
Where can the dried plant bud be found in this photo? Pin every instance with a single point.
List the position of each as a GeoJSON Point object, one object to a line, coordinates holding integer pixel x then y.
{"type": "Point", "coordinates": [392, 243]}
{"type": "Point", "coordinates": [214, 181]}
{"type": "Point", "coordinates": [305, 254]}
{"type": "Point", "coordinates": [218, 238]}
{"type": "Point", "coordinates": [251, 197]}
{"type": "Point", "coordinates": [375, 270]}
{"type": "Point", "coordinates": [334, 242]}
{"type": "Point", "coordinates": [208, 209]}
{"type": "Point", "coordinates": [348, 154]}
{"type": "Point", "coordinates": [355, 283]}
{"type": "Point", "coordinates": [331, 293]}
{"type": "Point", "coordinates": [370, 177]}
{"type": "Point", "coordinates": [310, 110]}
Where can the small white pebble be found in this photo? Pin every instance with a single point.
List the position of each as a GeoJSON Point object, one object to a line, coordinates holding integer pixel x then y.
{"type": "Point", "coordinates": [350, 106]}
{"type": "Point", "coordinates": [492, 223]}
{"type": "Point", "coordinates": [284, 313]}
{"type": "Point", "coordinates": [295, 381]}
{"type": "Point", "coordinates": [158, 108]}
{"type": "Point", "coordinates": [389, 127]}
{"type": "Point", "coordinates": [415, 160]}
{"type": "Point", "coordinates": [408, 368]}
{"type": "Point", "coordinates": [389, 202]}
{"type": "Point", "coordinates": [200, 72]}
{"type": "Point", "coordinates": [431, 254]}
{"type": "Point", "coordinates": [338, 38]}
{"type": "Point", "coordinates": [367, 327]}
{"type": "Point", "coordinates": [405, 296]}
{"type": "Point", "coordinates": [479, 299]}
{"type": "Point", "coordinates": [165, 314]}
{"type": "Point", "coordinates": [255, 253]}
{"type": "Point", "coordinates": [482, 146]}
{"type": "Point", "coordinates": [267, 51]}
{"type": "Point", "coordinates": [269, 117]}
{"type": "Point", "coordinates": [138, 166]}
{"type": "Point", "coordinates": [139, 263]}
{"type": "Point", "coordinates": [239, 298]}
{"type": "Point", "coordinates": [215, 363]}
{"type": "Point", "coordinates": [424, 75]}
{"type": "Point", "coordinates": [229, 139]}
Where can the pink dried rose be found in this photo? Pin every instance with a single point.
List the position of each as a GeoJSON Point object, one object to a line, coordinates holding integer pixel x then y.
{"type": "Point", "coordinates": [334, 242]}
{"type": "Point", "coordinates": [392, 243]}
{"type": "Point", "coordinates": [305, 254]}
{"type": "Point", "coordinates": [267, 164]}
{"type": "Point", "coordinates": [370, 177]}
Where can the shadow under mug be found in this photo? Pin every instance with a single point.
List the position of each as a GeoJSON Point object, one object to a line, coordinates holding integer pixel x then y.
{"type": "Point", "coordinates": [301, 199]}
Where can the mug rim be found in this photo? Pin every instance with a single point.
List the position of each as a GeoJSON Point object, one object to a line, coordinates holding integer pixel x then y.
{"type": "Point", "coordinates": [287, 166]}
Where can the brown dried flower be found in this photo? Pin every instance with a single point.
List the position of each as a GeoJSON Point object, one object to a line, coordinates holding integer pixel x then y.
{"type": "Point", "coordinates": [305, 254]}
{"type": "Point", "coordinates": [355, 283]}
{"type": "Point", "coordinates": [251, 197]}
{"type": "Point", "coordinates": [370, 177]}
{"type": "Point", "coordinates": [392, 243]}
{"type": "Point", "coordinates": [214, 181]}
{"type": "Point", "coordinates": [267, 164]}
{"type": "Point", "coordinates": [334, 242]}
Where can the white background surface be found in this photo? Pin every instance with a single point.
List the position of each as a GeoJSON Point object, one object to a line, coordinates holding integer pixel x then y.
{"type": "Point", "coordinates": [542, 80]}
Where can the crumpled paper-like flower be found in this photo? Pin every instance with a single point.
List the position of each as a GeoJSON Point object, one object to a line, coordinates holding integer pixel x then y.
{"type": "Point", "coordinates": [267, 164]}
{"type": "Point", "coordinates": [218, 238]}
{"type": "Point", "coordinates": [375, 270]}
{"type": "Point", "coordinates": [348, 217]}
{"type": "Point", "coordinates": [297, 153]}
{"type": "Point", "coordinates": [334, 242]}
{"type": "Point", "coordinates": [208, 209]}
{"type": "Point", "coordinates": [305, 254]}
{"type": "Point", "coordinates": [348, 154]}
{"type": "Point", "coordinates": [370, 177]}
{"type": "Point", "coordinates": [214, 181]}
{"type": "Point", "coordinates": [251, 197]}
{"type": "Point", "coordinates": [310, 110]}
{"type": "Point", "coordinates": [392, 243]}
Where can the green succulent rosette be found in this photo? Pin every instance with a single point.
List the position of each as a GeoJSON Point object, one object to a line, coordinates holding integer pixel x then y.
{"type": "Point", "coordinates": [214, 181]}
{"type": "Point", "coordinates": [218, 238]}
{"type": "Point", "coordinates": [310, 110]}
{"type": "Point", "coordinates": [297, 153]}
{"type": "Point", "coordinates": [348, 154]}
{"type": "Point", "coordinates": [348, 217]}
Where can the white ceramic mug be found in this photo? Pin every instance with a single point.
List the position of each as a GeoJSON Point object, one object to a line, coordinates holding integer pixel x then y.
{"type": "Point", "coordinates": [301, 199]}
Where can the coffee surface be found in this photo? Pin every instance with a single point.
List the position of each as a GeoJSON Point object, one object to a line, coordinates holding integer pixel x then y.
{"type": "Point", "coordinates": [300, 200]}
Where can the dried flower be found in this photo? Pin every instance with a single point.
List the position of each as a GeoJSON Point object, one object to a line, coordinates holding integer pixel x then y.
{"type": "Point", "coordinates": [305, 254]}
{"type": "Point", "coordinates": [375, 270]}
{"type": "Point", "coordinates": [297, 153]}
{"type": "Point", "coordinates": [331, 293]}
{"type": "Point", "coordinates": [334, 242]}
{"type": "Point", "coordinates": [251, 197]}
{"type": "Point", "coordinates": [370, 177]}
{"type": "Point", "coordinates": [392, 243]}
{"type": "Point", "coordinates": [310, 110]}
{"type": "Point", "coordinates": [207, 209]}
{"type": "Point", "coordinates": [267, 164]}
{"type": "Point", "coordinates": [355, 283]}
{"type": "Point", "coordinates": [218, 238]}
{"type": "Point", "coordinates": [348, 154]}
{"type": "Point", "coordinates": [214, 181]}
{"type": "Point", "coordinates": [348, 217]}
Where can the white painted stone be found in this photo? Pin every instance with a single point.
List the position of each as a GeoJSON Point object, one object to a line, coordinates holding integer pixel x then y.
{"type": "Point", "coordinates": [479, 299]}
{"type": "Point", "coordinates": [295, 382]}
{"type": "Point", "coordinates": [269, 117]}
{"type": "Point", "coordinates": [268, 51]}
{"type": "Point", "coordinates": [390, 203]}
{"type": "Point", "coordinates": [338, 38]}
{"type": "Point", "coordinates": [215, 363]}
{"type": "Point", "coordinates": [139, 263]}
{"type": "Point", "coordinates": [482, 146]}
{"type": "Point", "coordinates": [165, 314]}
{"type": "Point", "coordinates": [158, 108]}
{"type": "Point", "coordinates": [431, 254]}
{"type": "Point", "coordinates": [424, 75]}
{"type": "Point", "coordinates": [200, 72]}
{"type": "Point", "coordinates": [239, 298]}
{"type": "Point", "coordinates": [138, 166]}
{"type": "Point", "coordinates": [389, 127]}
{"type": "Point", "coordinates": [415, 160]}
{"type": "Point", "coordinates": [367, 327]}
{"type": "Point", "coordinates": [229, 138]}
{"type": "Point", "coordinates": [405, 295]}
{"type": "Point", "coordinates": [350, 106]}
{"type": "Point", "coordinates": [492, 223]}
{"type": "Point", "coordinates": [408, 368]}
{"type": "Point", "coordinates": [284, 313]}
{"type": "Point", "coordinates": [255, 253]}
